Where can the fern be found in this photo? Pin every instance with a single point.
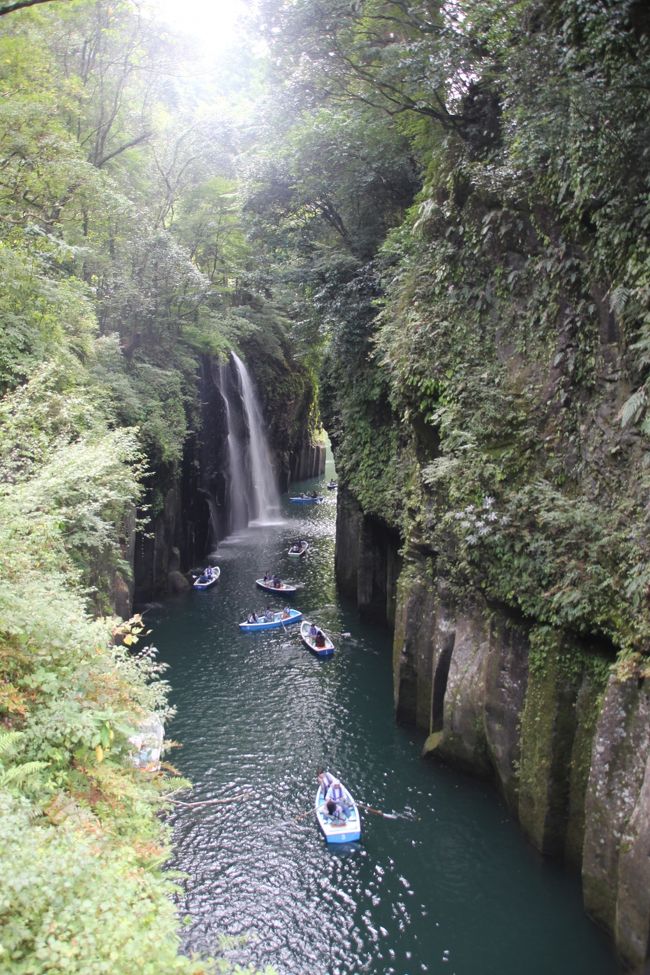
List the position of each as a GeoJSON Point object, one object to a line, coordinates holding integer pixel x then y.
{"type": "Point", "coordinates": [8, 739]}
{"type": "Point", "coordinates": [642, 348]}
{"type": "Point", "coordinates": [634, 407]}
{"type": "Point", "coordinates": [20, 775]}
{"type": "Point", "coordinates": [439, 469]}
{"type": "Point", "coordinates": [618, 299]}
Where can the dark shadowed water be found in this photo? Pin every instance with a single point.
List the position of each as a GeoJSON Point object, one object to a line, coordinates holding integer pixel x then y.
{"type": "Point", "coordinates": [452, 889]}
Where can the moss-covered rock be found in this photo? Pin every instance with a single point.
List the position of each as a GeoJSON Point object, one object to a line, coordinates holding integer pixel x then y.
{"type": "Point", "coordinates": [616, 858]}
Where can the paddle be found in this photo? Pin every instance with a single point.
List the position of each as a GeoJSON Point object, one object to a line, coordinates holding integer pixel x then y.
{"type": "Point", "coordinates": [379, 812]}
{"type": "Point", "coordinates": [302, 816]}
{"type": "Point", "coordinates": [210, 802]}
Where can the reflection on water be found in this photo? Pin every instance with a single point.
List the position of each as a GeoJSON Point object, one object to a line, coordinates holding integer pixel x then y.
{"type": "Point", "coordinates": [451, 888]}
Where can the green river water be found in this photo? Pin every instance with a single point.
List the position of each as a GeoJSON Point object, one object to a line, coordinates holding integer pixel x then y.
{"type": "Point", "coordinates": [452, 888]}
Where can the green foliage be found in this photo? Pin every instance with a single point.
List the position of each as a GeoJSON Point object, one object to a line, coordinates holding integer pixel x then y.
{"type": "Point", "coordinates": [40, 309]}
{"type": "Point", "coordinates": [67, 473]}
{"type": "Point", "coordinates": [489, 347]}
{"type": "Point", "coordinates": [76, 903]}
{"type": "Point", "coordinates": [122, 261]}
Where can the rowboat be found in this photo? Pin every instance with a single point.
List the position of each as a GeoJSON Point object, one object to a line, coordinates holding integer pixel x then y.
{"type": "Point", "coordinates": [344, 831]}
{"type": "Point", "coordinates": [208, 578]}
{"type": "Point", "coordinates": [310, 641]}
{"type": "Point", "coordinates": [307, 499]}
{"type": "Point", "coordinates": [283, 588]}
{"type": "Point", "coordinates": [272, 621]}
{"type": "Point", "coordinates": [298, 549]}
{"type": "Point", "coordinates": [331, 485]}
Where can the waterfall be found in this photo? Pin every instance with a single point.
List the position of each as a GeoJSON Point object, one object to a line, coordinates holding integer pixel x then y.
{"type": "Point", "coordinates": [238, 480]}
{"type": "Point", "coordinates": [265, 501]}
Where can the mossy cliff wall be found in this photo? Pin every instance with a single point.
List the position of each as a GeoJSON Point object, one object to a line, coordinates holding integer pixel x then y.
{"type": "Point", "coordinates": [566, 743]}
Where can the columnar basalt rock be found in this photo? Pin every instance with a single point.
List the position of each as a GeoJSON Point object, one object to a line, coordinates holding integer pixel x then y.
{"type": "Point", "coordinates": [414, 657]}
{"type": "Point", "coordinates": [616, 861]}
{"type": "Point", "coordinates": [506, 681]}
{"type": "Point", "coordinates": [501, 697]}
{"type": "Point", "coordinates": [548, 725]}
{"type": "Point", "coordinates": [308, 462]}
{"type": "Point", "coordinates": [462, 706]}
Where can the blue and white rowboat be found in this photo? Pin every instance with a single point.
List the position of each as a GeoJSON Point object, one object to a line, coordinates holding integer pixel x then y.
{"type": "Point", "coordinates": [327, 648]}
{"type": "Point", "coordinates": [272, 621]}
{"type": "Point", "coordinates": [298, 548]}
{"type": "Point", "coordinates": [338, 832]}
{"type": "Point", "coordinates": [284, 589]}
{"type": "Point", "coordinates": [307, 500]}
{"type": "Point", "coordinates": [208, 578]}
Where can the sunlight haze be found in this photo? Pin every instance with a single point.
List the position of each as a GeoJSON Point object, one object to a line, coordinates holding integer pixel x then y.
{"type": "Point", "coordinates": [214, 23]}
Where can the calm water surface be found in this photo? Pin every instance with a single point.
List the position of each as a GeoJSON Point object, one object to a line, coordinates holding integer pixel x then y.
{"type": "Point", "coordinates": [452, 888]}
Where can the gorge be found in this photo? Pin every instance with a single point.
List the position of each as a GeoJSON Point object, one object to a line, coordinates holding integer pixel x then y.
{"type": "Point", "coordinates": [420, 229]}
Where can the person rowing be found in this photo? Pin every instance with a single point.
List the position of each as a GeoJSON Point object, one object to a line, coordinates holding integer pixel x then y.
{"type": "Point", "coordinates": [335, 812]}
{"type": "Point", "coordinates": [337, 794]}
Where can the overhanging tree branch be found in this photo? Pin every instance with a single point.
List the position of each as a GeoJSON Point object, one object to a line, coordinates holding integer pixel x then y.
{"type": "Point", "coordinates": [127, 145]}
{"type": "Point", "coordinates": [9, 8]}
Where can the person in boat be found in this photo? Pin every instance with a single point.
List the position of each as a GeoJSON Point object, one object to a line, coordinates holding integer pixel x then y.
{"type": "Point", "coordinates": [313, 631]}
{"type": "Point", "coordinates": [335, 812]}
{"type": "Point", "coordinates": [336, 794]}
{"type": "Point", "coordinates": [314, 494]}
{"type": "Point", "coordinates": [277, 582]}
{"type": "Point", "coordinates": [325, 780]}
{"type": "Point", "coordinates": [320, 639]}
{"type": "Point", "coordinates": [286, 613]}
{"type": "Point", "coordinates": [266, 577]}
{"type": "Point", "coordinates": [252, 618]}
{"type": "Point", "coordinates": [269, 615]}
{"type": "Point", "coordinates": [295, 547]}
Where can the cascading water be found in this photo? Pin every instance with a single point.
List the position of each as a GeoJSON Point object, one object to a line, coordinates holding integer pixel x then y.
{"type": "Point", "coordinates": [264, 499]}
{"type": "Point", "coordinates": [238, 480]}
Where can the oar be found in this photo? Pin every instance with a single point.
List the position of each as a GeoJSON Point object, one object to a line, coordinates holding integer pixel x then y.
{"type": "Point", "coordinates": [380, 812]}
{"type": "Point", "coordinates": [210, 802]}
{"type": "Point", "coordinates": [302, 816]}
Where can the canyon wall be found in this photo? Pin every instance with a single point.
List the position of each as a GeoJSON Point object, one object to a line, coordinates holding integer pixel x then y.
{"type": "Point", "coordinates": [564, 737]}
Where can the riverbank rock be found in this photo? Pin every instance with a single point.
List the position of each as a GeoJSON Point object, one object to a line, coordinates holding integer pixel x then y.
{"type": "Point", "coordinates": [616, 861]}
{"type": "Point", "coordinates": [177, 582]}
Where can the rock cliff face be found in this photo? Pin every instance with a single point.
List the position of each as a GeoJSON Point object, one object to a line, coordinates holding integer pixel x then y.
{"type": "Point", "coordinates": [191, 513]}
{"type": "Point", "coordinates": [566, 743]}
{"type": "Point", "coordinates": [367, 560]}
